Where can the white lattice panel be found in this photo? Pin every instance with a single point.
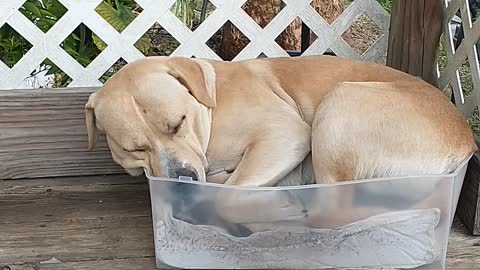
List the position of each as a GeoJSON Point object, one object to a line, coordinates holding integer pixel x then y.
{"type": "Point", "coordinates": [467, 50]}
{"type": "Point", "coordinates": [192, 43]}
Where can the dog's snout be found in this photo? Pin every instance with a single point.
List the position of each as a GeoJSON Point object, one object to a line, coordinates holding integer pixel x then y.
{"type": "Point", "coordinates": [186, 172]}
{"type": "Point", "coordinates": [177, 168]}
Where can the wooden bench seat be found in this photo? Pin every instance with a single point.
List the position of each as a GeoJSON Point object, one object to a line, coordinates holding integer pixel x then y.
{"type": "Point", "coordinates": [104, 222]}
{"type": "Point", "coordinates": [99, 222]}
{"type": "Point", "coordinates": [91, 221]}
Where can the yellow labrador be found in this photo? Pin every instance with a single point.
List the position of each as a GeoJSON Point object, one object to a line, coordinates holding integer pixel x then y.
{"type": "Point", "coordinates": [276, 121]}
{"type": "Point", "coordinates": [251, 123]}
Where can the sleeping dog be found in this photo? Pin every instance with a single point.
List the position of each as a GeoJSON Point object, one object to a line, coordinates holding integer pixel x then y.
{"type": "Point", "coordinates": [277, 121]}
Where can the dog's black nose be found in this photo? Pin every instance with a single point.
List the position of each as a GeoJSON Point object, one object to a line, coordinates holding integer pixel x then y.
{"type": "Point", "coordinates": [186, 172]}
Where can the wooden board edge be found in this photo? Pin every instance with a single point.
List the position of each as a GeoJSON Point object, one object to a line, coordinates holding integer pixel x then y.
{"type": "Point", "coordinates": [468, 208]}
{"type": "Point", "coordinates": [47, 91]}
{"type": "Point", "coordinates": [65, 98]}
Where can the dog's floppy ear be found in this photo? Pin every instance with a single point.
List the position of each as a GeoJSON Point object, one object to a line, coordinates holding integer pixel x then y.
{"type": "Point", "coordinates": [92, 129]}
{"type": "Point", "coordinates": [197, 76]}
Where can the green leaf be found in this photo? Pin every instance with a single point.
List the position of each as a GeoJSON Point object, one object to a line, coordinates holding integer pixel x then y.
{"type": "Point", "coordinates": [45, 24]}
{"type": "Point", "coordinates": [75, 37]}
{"type": "Point", "coordinates": [9, 62]}
{"type": "Point", "coordinates": [185, 11]}
{"type": "Point", "coordinates": [83, 35]}
{"type": "Point", "coordinates": [130, 4]}
{"type": "Point", "coordinates": [86, 54]}
{"type": "Point", "coordinates": [47, 3]}
{"type": "Point", "coordinates": [30, 7]}
{"type": "Point", "coordinates": [48, 62]}
{"type": "Point", "coordinates": [48, 21]}
{"type": "Point", "coordinates": [72, 52]}
{"type": "Point", "coordinates": [55, 7]}
{"type": "Point", "coordinates": [84, 61]}
{"type": "Point", "coordinates": [52, 69]}
{"type": "Point", "coordinates": [17, 42]}
{"type": "Point", "coordinates": [27, 14]}
{"type": "Point", "coordinates": [119, 18]}
{"type": "Point", "coordinates": [69, 44]}
{"type": "Point", "coordinates": [98, 42]}
{"type": "Point", "coordinates": [5, 43]}
{"type": "Point", "coordinates": [143, 44]}
{"type": "Point", "coordinates": [104, 78]}
{"type": "Point", "coordinates": [36, 3]}
{"type": "Point", "coordinates": [16, 55]}
{"type": "Point", "coordinates": [386, 4]}
{"type": "Point", "coordinates": [125, 13]}
{"type": "Point", "coordinates": [46, 13]}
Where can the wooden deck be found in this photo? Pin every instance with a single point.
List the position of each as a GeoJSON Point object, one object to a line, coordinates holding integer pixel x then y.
{"type": "Point", "coordinates": [104, 222]}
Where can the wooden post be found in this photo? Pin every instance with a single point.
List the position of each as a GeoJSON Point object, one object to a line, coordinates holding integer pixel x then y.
{"type": "Point", "coordinates": [416, 27]}
{"type": "Point", "coordinates": [415, 30]}
{"type": "Point", "coordinates": [468, 209]}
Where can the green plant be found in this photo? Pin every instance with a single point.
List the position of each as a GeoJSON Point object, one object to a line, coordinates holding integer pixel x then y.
{"type": "Point", "coordinates": [82, 44]}
{"type": "Point", "coordinates": [386, 4]}
{"type": "Point", "coordinates": [43, 13]}
{"type": "Point", "coordinates": [185, 11]}
{"type": "Point", "coordinates": [12, 45]}
{"type": "Point", "coordinates": [119, 14]}
{"type": "Point", "coordinates": [79, 44]}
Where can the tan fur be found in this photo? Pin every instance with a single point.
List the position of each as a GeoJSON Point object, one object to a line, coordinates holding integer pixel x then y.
{"type": "Point", "coordinates": [277, 121]}
{"type": "Point", "coordinates": [193, 78]}
{"type": "Point", "coordinates": [260, 104]}
{"type": "Point", "coordinates": [418, 132]}
{"type": "Point", "coordinates": [92, 130]}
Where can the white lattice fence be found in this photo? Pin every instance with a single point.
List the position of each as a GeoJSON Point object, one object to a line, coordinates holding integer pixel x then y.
{"type": "Point", "coordinates": [466, 86]}
{"type": "Point", "coordinates": [192, 43]}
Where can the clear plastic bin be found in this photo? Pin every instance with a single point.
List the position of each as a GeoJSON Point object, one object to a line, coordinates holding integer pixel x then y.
{"type": "Point", "coordinates": [388, 223]}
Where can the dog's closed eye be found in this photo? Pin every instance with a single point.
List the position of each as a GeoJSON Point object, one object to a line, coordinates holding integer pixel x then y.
{"type": "Point", "coordinates": [136, 149]}
{"type": "Point", "coordinates": [175, 127]}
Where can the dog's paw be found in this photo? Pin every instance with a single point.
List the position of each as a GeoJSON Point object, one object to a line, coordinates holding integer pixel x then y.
{"type": "Point", "coordinates": [134, 172]}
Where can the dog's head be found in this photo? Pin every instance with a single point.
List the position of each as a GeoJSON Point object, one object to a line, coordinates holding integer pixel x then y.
{"type": "Point", "coordinates": [155, 114]}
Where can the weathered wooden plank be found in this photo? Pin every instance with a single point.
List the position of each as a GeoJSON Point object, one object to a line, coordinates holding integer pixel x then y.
{"type": "Point", "coordinates": [107, 264]}
{"type": "Point", "coordinates": [468, 209]}
{"type": "Point", "coordinates": [105, 223]}
{"type": "Point", "coordinates": [463, 248]}
{"type": "Point", "coordinates": [75, 220]}
{"type": "Point", "coordinates": [415, 30]}
{"type": "Point", "coordinates": [42, 134]}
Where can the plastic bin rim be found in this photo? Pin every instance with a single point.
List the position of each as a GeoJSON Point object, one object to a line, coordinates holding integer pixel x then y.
{"type": "Point", "coordinates": [350, 182]}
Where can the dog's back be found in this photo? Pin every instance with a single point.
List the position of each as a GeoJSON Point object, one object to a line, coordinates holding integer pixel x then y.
{"type": "Point", "coordinates": [308, 79]}
{"type": "Point", "coordinates": [370, 130]}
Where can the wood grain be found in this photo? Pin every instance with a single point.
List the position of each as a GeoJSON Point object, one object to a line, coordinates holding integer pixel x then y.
{"type": "Point", "coordinates": [416, 26]}
{"type": "Point", "coordinates": [468, 209]}
{"type": "Point", "coordinates": [463, 248]}
{"type": "Point", "coordinates": [97, 220]}
{"type": "Point", "coordinates": [415, 30]}
{"type": "Point", "coordinates": [106, 264]}
{"type": "Point", "coordinates": [104, 223]}
{"type": "Point", "coordinates": [42, 134]}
